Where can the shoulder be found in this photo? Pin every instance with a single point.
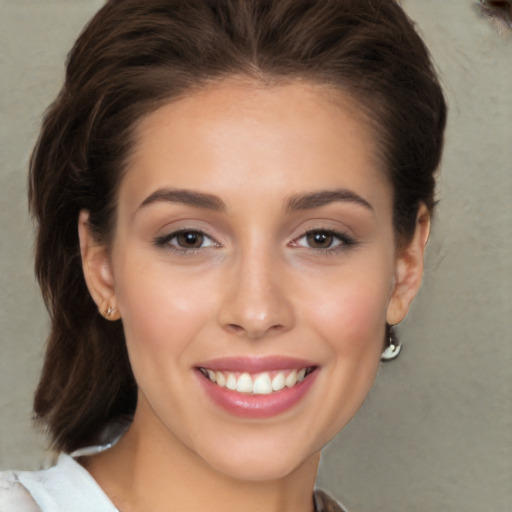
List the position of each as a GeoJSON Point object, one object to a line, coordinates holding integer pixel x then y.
{"type": "Point", "coordinates": [14, 497]}
{"type": "Point", "coordinates": [324, 503]}
{"type": "Point", "coordinates": [65, 487]}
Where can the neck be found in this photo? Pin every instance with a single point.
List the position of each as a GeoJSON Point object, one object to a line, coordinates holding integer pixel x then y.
{"type": "Point", "coordinates": [145, 472]}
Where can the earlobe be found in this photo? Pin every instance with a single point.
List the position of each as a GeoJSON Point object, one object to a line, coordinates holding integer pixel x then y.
{"type": "Point", "coordinates": [409, 269]}
{"type": "Point", "coordinates": [97, 269]}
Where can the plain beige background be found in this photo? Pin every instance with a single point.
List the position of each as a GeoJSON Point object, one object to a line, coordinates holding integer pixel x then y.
{"type": "Point", "coordinates": [436, 431]}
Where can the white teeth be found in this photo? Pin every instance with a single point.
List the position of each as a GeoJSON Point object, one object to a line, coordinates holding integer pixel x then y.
{"type": "Point", "coordinates": [291, 379]}
{"type": "Point", "coordinates": [260, 384]}
{"type": "Point", "coordinates": [278, 382]}
{"type": "Point", "coordinates": [244, 384]}
{"type": "Point", "coordinates": [231, 382]}
{"type": "Point", "coordinates": [219, 379]}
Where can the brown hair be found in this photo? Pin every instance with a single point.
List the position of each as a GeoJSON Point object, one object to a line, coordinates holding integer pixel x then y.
{"type": "Point", "coordinates": [135, 55]}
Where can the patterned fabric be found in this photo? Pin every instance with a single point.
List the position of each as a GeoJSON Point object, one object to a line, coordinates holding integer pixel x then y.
{"type": "Point", "coordinates": [324, 503]}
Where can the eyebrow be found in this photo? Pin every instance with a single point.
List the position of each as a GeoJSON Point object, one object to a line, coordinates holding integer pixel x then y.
{"type": "Point", "coordinates": [323, 197]}
{"type": "Point", "coordinates": [188, 197]}
{"type": "Point", "coordinates": [295, 202]}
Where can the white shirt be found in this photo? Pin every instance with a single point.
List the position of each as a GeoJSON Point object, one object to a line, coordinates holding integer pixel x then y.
{"type": "Point", "coordinates": [65, 487]}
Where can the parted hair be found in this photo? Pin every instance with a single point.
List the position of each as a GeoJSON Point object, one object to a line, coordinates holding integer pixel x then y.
{"type": "Point", "coordinates": [136, 55]}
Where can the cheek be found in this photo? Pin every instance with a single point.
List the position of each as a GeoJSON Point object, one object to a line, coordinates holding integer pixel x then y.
{"type": "Point", "coordinates": [351, 322]}
{"type": "Point", "coordinates": [162, 311]}
{"type": "Point", "coordinates": [351, 313]}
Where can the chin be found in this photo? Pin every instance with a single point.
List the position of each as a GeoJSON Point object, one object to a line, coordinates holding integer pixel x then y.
{"type": "Point", "coordinates": [259, 462]}
{"type": "Point", "coordinates": [258, 470]}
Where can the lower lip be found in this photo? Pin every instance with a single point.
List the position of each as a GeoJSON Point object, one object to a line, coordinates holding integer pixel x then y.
{"type": "Point", "coordinates": [246, 405]}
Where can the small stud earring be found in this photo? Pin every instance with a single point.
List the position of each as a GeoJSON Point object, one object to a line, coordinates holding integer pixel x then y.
{"type": "Point", "coordinates": [108, 312]}
{"type": "Point", "coordinates": [392, 351]}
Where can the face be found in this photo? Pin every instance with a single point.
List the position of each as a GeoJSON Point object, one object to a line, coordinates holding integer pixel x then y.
{"type": "Point", "coordinates": [254, 268]}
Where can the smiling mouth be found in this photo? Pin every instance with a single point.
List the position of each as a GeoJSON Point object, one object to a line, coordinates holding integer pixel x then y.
{"type": "Point", "coordinates": [262, 383]}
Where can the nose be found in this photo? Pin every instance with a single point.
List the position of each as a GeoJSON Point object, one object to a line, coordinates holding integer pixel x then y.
{"type": "Point", "coordinates": [256, 299]}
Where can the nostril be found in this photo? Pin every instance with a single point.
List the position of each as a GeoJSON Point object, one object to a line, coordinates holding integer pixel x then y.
{"type": "Point", "coordinates": [234, 328]}
{"type": "Point", "coordinates": [254, 332]}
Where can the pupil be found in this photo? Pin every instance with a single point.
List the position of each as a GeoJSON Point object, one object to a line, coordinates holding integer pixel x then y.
{"type": "Point", "coordinates": [320, 239]}
{"type": "Point", "coordinates": [190, 239]}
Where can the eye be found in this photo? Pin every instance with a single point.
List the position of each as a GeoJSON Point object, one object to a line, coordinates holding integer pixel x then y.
{"type": "Point", "coordinates": [189, 239]}
{"type": "Point", "coordinates": [320, 239]}
{"type": "Point", "coordinates": [323, 239]}
{"type": "Point", "coordinates": [186, 239]}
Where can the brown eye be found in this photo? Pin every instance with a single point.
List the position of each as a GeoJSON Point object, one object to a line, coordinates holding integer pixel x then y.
{"type": "Point", "coordinates": [190, 239]}
{"type": "Point", "coordinates": [325, 241]}
{"type": "Point", "coordinates": [320, 239]}
{"type": "Point", "coordinates": [186, 241]}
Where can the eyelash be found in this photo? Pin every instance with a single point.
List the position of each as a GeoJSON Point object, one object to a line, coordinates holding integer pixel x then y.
{"type": "Point", "coordinates": [165, 241]}
{"type": "Point", "coordinates": [342, 240]}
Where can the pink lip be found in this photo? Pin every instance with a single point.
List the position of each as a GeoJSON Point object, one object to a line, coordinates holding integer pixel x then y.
{"type": "Point", "coordinates": [246, 405]}
{"type": "Point", "coordinates": [256, 364]}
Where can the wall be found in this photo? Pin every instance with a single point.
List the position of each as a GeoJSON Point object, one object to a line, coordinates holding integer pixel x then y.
{"type": "Point", "coordinates": [436, 431]}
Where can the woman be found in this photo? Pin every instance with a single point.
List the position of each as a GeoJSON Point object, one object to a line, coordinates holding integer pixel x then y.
{"type": "Point", "coordinates": [233, 199]}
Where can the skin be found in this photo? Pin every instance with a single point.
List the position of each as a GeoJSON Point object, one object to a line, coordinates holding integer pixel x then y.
{"type": "Point", "coordinates": [257, 286]}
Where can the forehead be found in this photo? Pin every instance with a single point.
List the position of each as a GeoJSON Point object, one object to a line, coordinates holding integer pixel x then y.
{"type": "Point", "coordinates": [239, 137]}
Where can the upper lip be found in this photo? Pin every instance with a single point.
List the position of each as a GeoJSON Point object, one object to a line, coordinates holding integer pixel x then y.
{"type": "Point", "coordinates": [255, 364]}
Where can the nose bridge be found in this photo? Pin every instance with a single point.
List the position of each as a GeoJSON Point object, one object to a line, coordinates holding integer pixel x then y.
{"type": "Point", "coordinates": [256, 301]}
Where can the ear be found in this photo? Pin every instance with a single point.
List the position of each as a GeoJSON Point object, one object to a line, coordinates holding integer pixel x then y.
{"type": "Point", "coordinates": [97, 269]}
{"type": "Point", "coordinates": [409, 269]}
